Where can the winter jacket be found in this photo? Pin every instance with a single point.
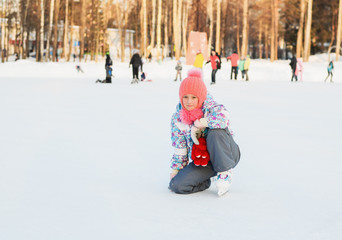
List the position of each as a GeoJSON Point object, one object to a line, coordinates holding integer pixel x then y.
{"type": "Point", "coordinates": [214, 60]}
{"type": "Point", "coordinates": [293, 63]}
{"type": "Point", "coordinates": [179, 67]}
{"type": "Point", "coordinates": [242, 65]}
{"type": "Point", "coordinates": [199, 61]}
{"type": "Point", "coordinates": [247, 63]}
{"type": "Point", "coordinates": [234, 58]}
{"type": "Point", "coordinates": [109, 62]}
{"type": "Point", "coordinates": [217, 117]}
{"type": "Point", "coordinates": [299, 67]}
{"type": "Point", "coordinates": [330, 66]}
{"type": "Point", "coordinates": [136, 61]}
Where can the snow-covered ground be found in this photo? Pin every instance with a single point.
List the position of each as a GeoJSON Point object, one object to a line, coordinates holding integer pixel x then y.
{"type": "Point", "coordinates": [80, 160]}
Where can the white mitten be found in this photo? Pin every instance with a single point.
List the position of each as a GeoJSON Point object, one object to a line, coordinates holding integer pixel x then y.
{"type": "Point", "coordinates": [201, 123]}
{"type": "Point", "coordinates": [195, 132]}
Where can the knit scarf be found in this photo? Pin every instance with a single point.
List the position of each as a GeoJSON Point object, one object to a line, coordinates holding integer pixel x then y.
{"type": "Point", "coordinates": [188, 117]}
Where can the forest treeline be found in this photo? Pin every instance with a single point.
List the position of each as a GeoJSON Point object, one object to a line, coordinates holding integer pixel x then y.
{"type": "Point", "coordinates": [267, 29]}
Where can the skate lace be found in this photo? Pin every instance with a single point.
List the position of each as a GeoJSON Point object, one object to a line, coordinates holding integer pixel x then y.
{"type": "Point", "coordinates": [224, 177]}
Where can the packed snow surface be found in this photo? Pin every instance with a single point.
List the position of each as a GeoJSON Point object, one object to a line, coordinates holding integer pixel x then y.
{"type": "Point", "coordinates": [80, 160]}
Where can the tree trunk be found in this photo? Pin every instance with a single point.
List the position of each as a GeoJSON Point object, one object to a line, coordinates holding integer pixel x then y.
{"type": "Point", "coordinates": [211, 26]}
{"type": "Point", "coordinates": [339, 31]}
{"type": "Point", "coordinates": [224, 26]}
{"type": "Point", "coordinates": [71, 40]}
{"type": "Point", "coordinates": [175, 28]}
{"type": "Point", "coordinates": [55, 31]}
{"type": "Point", "coordinates": [244, 29]}
{"type": "Point", "coordinates": [47, 55]}
{"type": "Point", "coordinates": [178, 28]}
{"type": "Point", "coordinates": [66, 26]}
{"type": "Point", "coordinates": [82, 28]}
{"type": "Point", "coordinates": [218, 27]}
{"type": "Point", "coordinates": [300, 30]}
{"type": "Point", "coordinates": [3, 31]}
{"type": "Point", "coordinates": [98, 27]}
{"type": "Point", "coordinates": [266, 42]}
{"type": "Point", "coordinates": [153, 27]}
{"type": "Point", "coordinates": [24, 29]}
{"type": "Point", "coordinates": [276, 20]}
{"type": "Point", "coordinates": [17, 20]}
{"type": "Point", "coordinates": [145, 26]}
{"type": "Point", "coordinates": [41, 52]}
{"type": "Point", "coordinates": [123, 33]}
{"type": "Point", "coordinates": [307, 40]}
{"type": "Point", "coordinates": [166, 30]}
{"type": "Point", "coordinates": [238, 29]}
{"type": "Point", "coordinates": [159, 28]}
{"type": "Point", "coordinates": [272, 30]}
{"type": "Point", "coordinates": [260, 39]}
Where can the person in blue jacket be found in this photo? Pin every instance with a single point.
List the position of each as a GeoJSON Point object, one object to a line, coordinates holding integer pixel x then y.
{"type": "Point", "coordinates": [330, 71]}
{"type": "Point", "coordinates": [201, 123]}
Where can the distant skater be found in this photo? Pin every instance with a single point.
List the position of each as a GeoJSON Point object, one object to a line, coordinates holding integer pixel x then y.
{"type": "Point", "coordinates": [136, 62]}
{"type": "Point", "coordinates": [108, 67]}
{"type": "Point", "coordinates": [199, 60]}
{"type": "Point", "coordinates": [234, 60]}
{"type": "Point", "coordinates": [179, 71]}
{"type": "Point", "coordinates": [293, 65]}
{"type": "Point", "coordinates": [300, 69]}
{"type": "Point", "coordinates": [79, 69]}
{"type": "Point", "coordinates": [330, 71]}
{"type": "Point", "coordinates": [214, 60]}
{"type": "Point", "coordinates": [246, 66]}
{"type": "Point", "coordinates": [241, 67]}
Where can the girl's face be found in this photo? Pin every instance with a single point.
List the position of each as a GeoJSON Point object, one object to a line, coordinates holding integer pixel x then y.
{"type": "Point", "coordinates": [190, 102]}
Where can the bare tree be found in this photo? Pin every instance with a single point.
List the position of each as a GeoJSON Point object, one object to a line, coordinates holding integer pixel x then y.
{"type": "Point", "coordinates": [260, 39]}
{"type": "Point", "coordinates": [339, 31]}
{"type": "Point", "coordinates": [3, 29]}
{"type": "Point", "coordinates": [244, 29]}
{"type": "Point", "coordinates": [211, 23]}
{"type": "Point", "coordinates": [55, 31]}
{"type": "Point", "coordinates": [307, 40]}
{"type": "Point", "coordinates": [159, 28]}
{"type": "Point", "coordinates": [144, 27]}
{"type": "Point", "coordinates": [153, 26]}
{"type": "Point", "coordinates": [185, 25]}
{"type": "Point", "coordinates": [47, 55]}
{"type": "Point", "coordinates": [166, 29]}
{"type": "Point", "coordinates": [82, 27]}
{"type": "Point", "coordinates": [238, 28]}
{"type": "Point", "coordinates": [71, 40]}
{"type": "Point", "coordinates": [66, 26]}
{"type": "Point", "coordinates": [218, 26]}
{"type": "Point", "coordinates": [300, 29]}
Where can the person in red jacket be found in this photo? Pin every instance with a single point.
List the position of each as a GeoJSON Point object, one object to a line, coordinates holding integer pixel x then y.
{"type": "Point", "coordinates": [234, 58]}
{"type": "Point", "coordinates": [214, 60]}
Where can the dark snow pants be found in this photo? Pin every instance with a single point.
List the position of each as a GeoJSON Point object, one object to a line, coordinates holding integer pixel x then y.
{"type": "Point", "coordinates": [135, 72]}
{"type": "Point", "coordinates": [235, 70]}
{"type": "Point", "coordinates": [213, 75]}
{"type": "Point", "coordinates": [329, 74]}
{"type": "Point", "coordinates": [294, 75]}
{"type": "Point", "coordinates": [224, 155]}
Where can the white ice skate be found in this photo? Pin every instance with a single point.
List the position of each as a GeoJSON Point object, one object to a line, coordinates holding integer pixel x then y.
{"type": "Point", "coordinates": [223, 182]}
{"type": "Point", "coordinates": [135, 80]}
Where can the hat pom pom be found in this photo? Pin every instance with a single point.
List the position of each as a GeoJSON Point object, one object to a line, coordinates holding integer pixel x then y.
{"type": "Point", "coordinates": [195, 73]}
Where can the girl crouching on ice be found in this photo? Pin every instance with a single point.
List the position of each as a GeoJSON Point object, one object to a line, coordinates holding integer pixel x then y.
{"type": "Point", "coordinates": [199, 130]}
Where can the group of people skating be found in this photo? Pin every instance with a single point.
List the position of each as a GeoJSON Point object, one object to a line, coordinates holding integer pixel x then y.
{"type": "Point", "coordinates": [215, 62]}
{"type": "Point", "coordinates": [297, 69]}
{"type": "Point", "coordinates": [237, 65]}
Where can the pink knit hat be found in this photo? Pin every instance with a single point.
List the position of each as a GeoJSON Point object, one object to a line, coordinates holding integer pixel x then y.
{"type": "Point", "coordinates": [194, 85]}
